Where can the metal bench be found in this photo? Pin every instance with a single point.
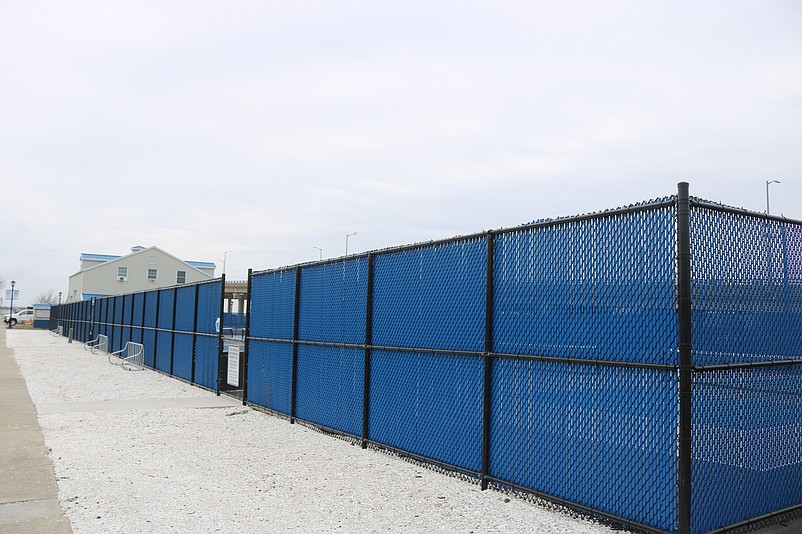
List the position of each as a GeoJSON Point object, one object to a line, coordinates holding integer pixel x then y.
{"type": "Point", "coordinates": [101, 342]}
{"type": "Point", "coordinates": [131, 357]}
{"type": "Point", "coordinates": [58, 331]}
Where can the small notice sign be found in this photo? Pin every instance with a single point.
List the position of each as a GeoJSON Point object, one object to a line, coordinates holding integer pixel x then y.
{"type": "Point", "coordinates": [233, 366]}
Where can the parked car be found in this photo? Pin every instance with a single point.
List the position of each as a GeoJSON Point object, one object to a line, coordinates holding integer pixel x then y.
{"type": "Point", "coordinates": [22, 316]}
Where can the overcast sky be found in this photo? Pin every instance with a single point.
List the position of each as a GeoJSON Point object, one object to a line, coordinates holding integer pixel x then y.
{"type": "Point", "coordinates": [269, 128]}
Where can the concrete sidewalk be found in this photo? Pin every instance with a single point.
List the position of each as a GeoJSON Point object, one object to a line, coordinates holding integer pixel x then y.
{"type": "Point", "coordinates": [28, 489]}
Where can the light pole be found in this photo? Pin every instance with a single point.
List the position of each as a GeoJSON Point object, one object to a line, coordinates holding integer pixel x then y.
{"type": "Point", "coordinates": [768, 183]}
{"type": "Point", "coordinates": [225, 257]}
{"type": "Point", "coordinates": [11, 309]}
{"type": "Point", "coordinates": [346, 242]}
{"type": "Point", "coordinates": [321, 252]}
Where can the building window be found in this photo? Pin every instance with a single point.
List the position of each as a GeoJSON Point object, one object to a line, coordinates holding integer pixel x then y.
{"type": "Point", "coordinates": [152, 274]}
{"type": "Point", "coordinates": [122, 274]}
{"type": "Point", "coordinates": [181, 277]}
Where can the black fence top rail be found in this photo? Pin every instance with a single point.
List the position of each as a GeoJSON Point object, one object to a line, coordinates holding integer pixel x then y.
{"type": "Point", "coordinates": [714, 206]}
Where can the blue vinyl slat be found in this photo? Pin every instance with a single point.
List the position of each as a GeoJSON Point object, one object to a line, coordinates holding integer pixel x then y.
{"type": "Point", "coordinates": [431, 297]}
{"type": "Point", "coordinates": [269, 375]}
{"type": "Point", "coordinates": [166, 306]}
{"type": "Point", "coordinates": [209, 295]}
{"type": "Point", "coordinates": [149, 344]}
{"type": "Point", "coordinates": [333, 301]}
{"type": "Point", "coordinates": [602, 437]}
{"type": "Point", "coordinates": [164, 351]}
{"type": "Point", "coordinates": [206, 362]}
{"type": "Point", "coordinates": [182, 356]}
{"type": "Point", "coordinates": [272, 304]}
{"type": "Point", "coordinates": [330, 386]}
{"type": "Point", "coordinates": [598, 289]}
{"type": "Point", "coordinates": [429, 405]}
{"type": "Point", "coordinates": [185, 309]}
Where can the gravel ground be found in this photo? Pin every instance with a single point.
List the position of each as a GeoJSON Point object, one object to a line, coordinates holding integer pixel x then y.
{"type": "Point", "coordinates": [236, 469]}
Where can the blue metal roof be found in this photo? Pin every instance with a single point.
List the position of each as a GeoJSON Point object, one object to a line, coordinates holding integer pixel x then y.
{"type": "Point", "coordinates": [100, 257]}
{"type": "Point", "coordinates": [201, 264]}
{"type": "Point", "coordinates": [90, 296]}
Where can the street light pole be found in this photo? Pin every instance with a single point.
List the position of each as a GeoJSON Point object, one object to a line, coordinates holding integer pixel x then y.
{"type": "Point", "coordinates": [346, 242]}
{"type": "Point", "coordinates": [225, 257]}
{"type": "Point", "coordinates": [768, 183]}
{"type": "Point", "coordinates": [11, 309]}
{"type": "Point", "coordinates": [321, 252]}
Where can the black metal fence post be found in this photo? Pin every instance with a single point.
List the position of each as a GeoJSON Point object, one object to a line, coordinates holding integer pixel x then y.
{"type": "Point", "coordinates": [121, 319]}
{"type": "Point", "coordinates": [108, 320]}
{"type": "Point", "coordinates": [295, 329]}
{"type": "Point", "coordinates": [684, 487]}
{"type": "Point", "coordinates": [172, 328]}
{"type": "Point", "coordinates": [247, 346]}
{"type": "Point", "coordinates": [91, 318]}
{"type": "Point", "coordinates": [488, 369]}
{"type": "Point", "coordinates": [113, 321]}
{"type": "Point", "coordinates": [156, 328]}
{"type": "Point", "coordinates": [194, 334]}
{"type": "Point", "coordinates": [220, 334]}
{"type": "Point", "coordinates": [131, 320]}
{"type": "Point", "coordinates": [142, 323]}
{"type": "Point", "coordinates": [131, 298]}
{"type": "Point", "coordinates": [368, 343]}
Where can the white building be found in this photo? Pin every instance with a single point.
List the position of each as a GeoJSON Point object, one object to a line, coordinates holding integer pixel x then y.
{"type": "Point", "coordinates": [102, 275]}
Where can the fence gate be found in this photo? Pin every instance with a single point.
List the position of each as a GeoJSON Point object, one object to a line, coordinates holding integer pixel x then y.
{"type": "Point", "coordinates": [232, 329]}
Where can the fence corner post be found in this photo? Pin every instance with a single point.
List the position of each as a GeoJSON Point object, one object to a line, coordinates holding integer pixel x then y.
{"type": "Point", "coordinates": [684, 487]}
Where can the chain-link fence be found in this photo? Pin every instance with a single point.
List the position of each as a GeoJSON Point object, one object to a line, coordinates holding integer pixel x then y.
{"type": "Point", "coordinates": [549, 359]}
{"type": "Point", "coordinates": [175, 325]}
{"type": "Point", "coordinates": [642, 364]}
{"type": "Point", "coordinates": [542, 358]}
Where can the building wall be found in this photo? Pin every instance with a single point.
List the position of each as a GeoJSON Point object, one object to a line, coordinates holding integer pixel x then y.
{"type": "Point", "coordinates": [207, 271]}
{"type": "Point", "coordinates": [103, 280]}
{"type": "Point", "coordinates": [75, 289]}
{"type": "Point", "coordinates": [89, 263]}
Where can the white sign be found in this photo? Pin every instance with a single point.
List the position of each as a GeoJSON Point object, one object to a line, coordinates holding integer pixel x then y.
{"type": "Point", "coordinates": [16, 294]}
{"type": "Point", "coordinates": [233, 366]}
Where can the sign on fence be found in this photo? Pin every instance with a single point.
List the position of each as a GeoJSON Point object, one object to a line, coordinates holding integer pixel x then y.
{"type": "Point", "coordinates": [233, 366]}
